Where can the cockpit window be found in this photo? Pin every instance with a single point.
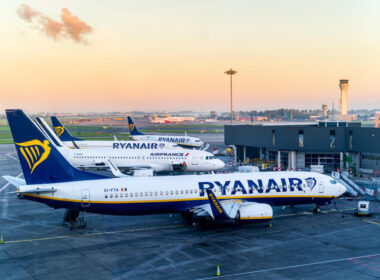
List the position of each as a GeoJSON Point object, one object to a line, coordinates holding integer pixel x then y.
{"type": "Point", "coordinates": [333, 182]}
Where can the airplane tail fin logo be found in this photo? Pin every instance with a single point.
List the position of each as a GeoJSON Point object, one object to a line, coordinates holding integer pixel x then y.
{"type": "Point", "coordinates": [131, 127]}
{"type": "Point", "coordinates": [59, 130]}
{"type": "Point", "coordinates": [34, 152]}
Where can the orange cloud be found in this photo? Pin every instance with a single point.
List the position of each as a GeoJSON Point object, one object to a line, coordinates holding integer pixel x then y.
{"type": "Point", "coordinates": [70, 27]}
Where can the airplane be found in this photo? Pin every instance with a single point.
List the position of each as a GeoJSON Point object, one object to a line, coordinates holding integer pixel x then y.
{"type": "Point", "coordinates": [72, 142]}
{"type": "Point", "coordinates": [236, 197]}
{"type": "Point", "coordinates": [159, 160]}
{"type": "Point", "coordinates": [170, 119]}
{"type": "Point", "coordinates": [182, 141]}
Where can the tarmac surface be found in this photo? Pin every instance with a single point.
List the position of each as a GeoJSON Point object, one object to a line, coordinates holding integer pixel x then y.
{"type": "Point", "coordinates": [299, 245]}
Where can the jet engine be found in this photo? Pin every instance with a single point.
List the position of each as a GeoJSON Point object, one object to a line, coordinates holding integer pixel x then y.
{"type": "Point", "coordinates": [254, 213]}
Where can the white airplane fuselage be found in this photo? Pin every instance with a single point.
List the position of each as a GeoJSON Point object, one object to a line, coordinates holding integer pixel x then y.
{"type": "Point", "coordinates": [183, 141]}
{"type": "Point", "coordinates": [159, 160]}
{"type": "Point", "coordinates": [179, 194]}
{"type": "Point", "coordinates": [123, 145]}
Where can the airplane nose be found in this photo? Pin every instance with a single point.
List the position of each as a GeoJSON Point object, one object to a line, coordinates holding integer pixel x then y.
{"type": "Point", "coordinates": [220, 164]}
{"type": "Point", "coordinates": [342, 189]}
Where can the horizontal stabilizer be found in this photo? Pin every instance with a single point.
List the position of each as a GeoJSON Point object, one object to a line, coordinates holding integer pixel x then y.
{"type": "Point", "coordinates": [37, 190]}
{"type": "Point", "coordinates": [115, 171]}
{"type": "Point", "coordinates": [217, 209]}
{"type": "Point", "coordinates": [14, 181]}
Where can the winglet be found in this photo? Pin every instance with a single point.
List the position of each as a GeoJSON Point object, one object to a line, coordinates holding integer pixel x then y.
{"type": "Point", "coordinates": [217, 208]}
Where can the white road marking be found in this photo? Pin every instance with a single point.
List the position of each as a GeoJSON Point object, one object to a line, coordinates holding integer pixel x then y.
{"type": "Point", "coordinates": [8, 155]}
{"type": "Point", "coordinates": [289, 267]}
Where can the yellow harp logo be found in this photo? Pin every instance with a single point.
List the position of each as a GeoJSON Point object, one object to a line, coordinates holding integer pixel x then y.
{"type": "Point", "coordinates": [59, 130]}
{"type": "Point", "coordinates": [131, 127]}
{"type": "Point", "coordinates": [34, 152]}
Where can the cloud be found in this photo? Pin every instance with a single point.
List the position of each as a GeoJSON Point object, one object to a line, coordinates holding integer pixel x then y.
{"type": "Point", "coordinates": [70, 27]}
{"type": "Point", "coordinates": [74, 27]}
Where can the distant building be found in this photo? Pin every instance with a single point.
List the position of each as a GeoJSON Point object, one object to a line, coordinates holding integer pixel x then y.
{"type": "Point", "coordinates": [213, 114]}
{"type": "Point", "coordinates": [332, 144]}
{"type": "Point", "coordinates": [343, 85]}
{"type": "Point", "coordinates": [324, 111]}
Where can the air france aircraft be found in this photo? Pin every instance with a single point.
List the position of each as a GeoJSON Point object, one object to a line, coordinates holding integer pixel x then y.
{"type": "Point", "coordinates": [72, 142]}
{"type": "Point", "coordinates": [237, 197]}
{"type": "Point", "coordinates": [161, 160]}
{"type": "Point", "coordinates": [183, 141]}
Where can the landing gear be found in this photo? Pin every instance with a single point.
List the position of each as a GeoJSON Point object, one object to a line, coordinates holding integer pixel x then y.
{"type": "Point", "coordinates": [317, 209]}
{"type": "Point", "coordinates": [70, 218]}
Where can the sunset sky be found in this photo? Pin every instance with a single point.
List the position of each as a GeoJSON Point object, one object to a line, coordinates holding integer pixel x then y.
{"type": "Point", "coordinates": [70, 56]}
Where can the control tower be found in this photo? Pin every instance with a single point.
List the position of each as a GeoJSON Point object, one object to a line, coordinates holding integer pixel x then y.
{"type": "Point", "coordinates": [343, 85]}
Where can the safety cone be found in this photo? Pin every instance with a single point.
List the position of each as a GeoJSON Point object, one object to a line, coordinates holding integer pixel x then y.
{"type": "Point", "coordinates": [1, 240]}
{"type": "Point", "coordinates": [218, 271]}
{"type": "Point", "coordinates": [270, 224]}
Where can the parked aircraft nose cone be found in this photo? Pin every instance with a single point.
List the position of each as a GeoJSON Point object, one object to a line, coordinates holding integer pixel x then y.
{"type": "Point", "coordinates": [342, 189]}
{"type": "Point", "coordinates": [220, 164]}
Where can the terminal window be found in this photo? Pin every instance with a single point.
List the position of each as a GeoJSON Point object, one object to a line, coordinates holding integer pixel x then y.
{"type": "Point", "coordinates": [332, 139]}
{"type": "Point", "coordinates": [300, 138]}
{"type": "Point", "coordinates": [350, 138]}
{"type": "Point", "coordinates": [273, 138]}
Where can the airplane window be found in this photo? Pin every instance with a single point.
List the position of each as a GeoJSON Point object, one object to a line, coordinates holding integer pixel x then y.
{"type": "Point", "coordinates": [161, 192]}
{"type": "Point", "coordinates": [187, 191]}
{"type": "Point", "coordinates": [195, 191]}
{"type": "Point", "coordinates": [181, 191]}
{"type": "Point", "coordinates": [151, 193]}
{"type": "Point", "coordinates": [136, 194]}
{"type": "Point", "coordinates": [126, 194]}
{"type": "Point", "coordinates": [166, 193]}
{"type": "Point", "coordinates": [141, 194]}
{"type": "Point", "coordinates": [111, 195]}
{"type": "Point", "coordinates": [155, 193]}
{"type": "Point", "coordinates": [106, 196]}
{"type": "Point", "coordinates": [146, 194]}
{"type": "Point", "coordinates": [131, 194]}
{"type": "Point", "coordinates": [191, 191]}
{"type": "Point", "coordinates": [333, 182]}
{"type": "Point", "coordinates": [116, 195]}
{"type": "Point", "coordinates": [171, 192]}
{"type": "Point", "coordinates": [176, 192]}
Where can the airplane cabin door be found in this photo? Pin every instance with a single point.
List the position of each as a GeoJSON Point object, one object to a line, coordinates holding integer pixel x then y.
{"type": "Point", "coordinates": [194, 161]}
{"type": "Point", "coordinates": [85, 198]}
{"type": "Point", "coordinates": [321, 187]}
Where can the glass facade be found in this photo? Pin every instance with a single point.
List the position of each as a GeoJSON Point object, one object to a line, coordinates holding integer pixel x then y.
{"type": "Point", "coordinates": [300, 139]}
{"type": "Point", "coordinates": [330, 161]}
{"type": "Point", "coordinates": [332, 139]}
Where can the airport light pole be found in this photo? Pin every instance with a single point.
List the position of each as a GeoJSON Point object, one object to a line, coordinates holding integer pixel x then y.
{"type": "Point", "coordinates": [231, 72]}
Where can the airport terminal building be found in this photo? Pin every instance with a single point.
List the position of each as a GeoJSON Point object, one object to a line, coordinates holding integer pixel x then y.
{"type": "Point", "coordinates": [332, 144]}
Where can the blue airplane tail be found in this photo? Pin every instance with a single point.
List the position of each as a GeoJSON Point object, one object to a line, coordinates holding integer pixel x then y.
{"type": "Point", "coordinates": [61, 131]}
{"type": "Point", "coordinates": [216, 208]}
{"type": "Point", "coordinates": [40, 161]}
{"type": "Point", "coordinates": [132, 128]}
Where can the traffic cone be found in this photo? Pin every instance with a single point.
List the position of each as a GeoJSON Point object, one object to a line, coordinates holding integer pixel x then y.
{"type": "Point", "coordinates": [218, 271]}
{"type": "Point", "coordinates": [1, 240]}
{"type": "Point", "coordinates": [270, 224]}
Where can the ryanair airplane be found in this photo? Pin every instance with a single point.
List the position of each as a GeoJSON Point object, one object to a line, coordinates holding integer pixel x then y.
{"type": "Point", "coordinates": [183, 141]}
{"type": "Point", "coordinates": [158, 160]}
{"type": "Point", "coordinates": [72, 142]}
{"type": "Point", "coordinates": [237, 197]}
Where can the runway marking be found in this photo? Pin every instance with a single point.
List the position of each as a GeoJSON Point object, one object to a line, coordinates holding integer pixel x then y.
{"type": "Point", "coordinates": [92, 234]}
{"type": "Point", "coordinates": [8, 155]}
{"type": "Point", "coordinates": [290, 267]}
{"type": "Point", "coordinates": [371, 222]}
{"type": "Point", "coordinates": [7, 184]}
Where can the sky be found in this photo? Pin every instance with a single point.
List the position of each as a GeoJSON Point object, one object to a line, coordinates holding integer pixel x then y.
{"type": "Point", "coordinates": [97, 56]}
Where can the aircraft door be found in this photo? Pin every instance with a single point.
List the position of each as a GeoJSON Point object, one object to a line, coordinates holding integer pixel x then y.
{"type": "Point", "coordinates": [194, 160]}
{"type": "Point", "coordinates": [321, 187]}
{"type": "Point", "coordinates": [85, 199]}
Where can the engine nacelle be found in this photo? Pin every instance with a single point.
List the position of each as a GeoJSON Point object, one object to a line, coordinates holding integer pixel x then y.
{"type": "Point", "coordinates": [143, 173]}
{"type": "Point", "coordinates": [254, 213]}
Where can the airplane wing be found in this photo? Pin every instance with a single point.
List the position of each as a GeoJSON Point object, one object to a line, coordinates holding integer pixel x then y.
{"type": "Point", "coordinates": [115, 171]}
{"type": "Point", "coordinates": [233, 209]}
{"type": "Point", "coordinates": [218, 210]}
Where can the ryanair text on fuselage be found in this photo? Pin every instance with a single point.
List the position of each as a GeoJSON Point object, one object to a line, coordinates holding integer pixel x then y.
{"type": "Point", "coordinates": [136, 145]}
{"type": "Point", "coordinates": [251, 186]}
{"type": "Point", "coordinates": [178, 140]}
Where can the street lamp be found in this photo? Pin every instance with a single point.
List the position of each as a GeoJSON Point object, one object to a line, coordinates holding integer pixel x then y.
{"type": "Point", "coordinates": [231, 72]}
